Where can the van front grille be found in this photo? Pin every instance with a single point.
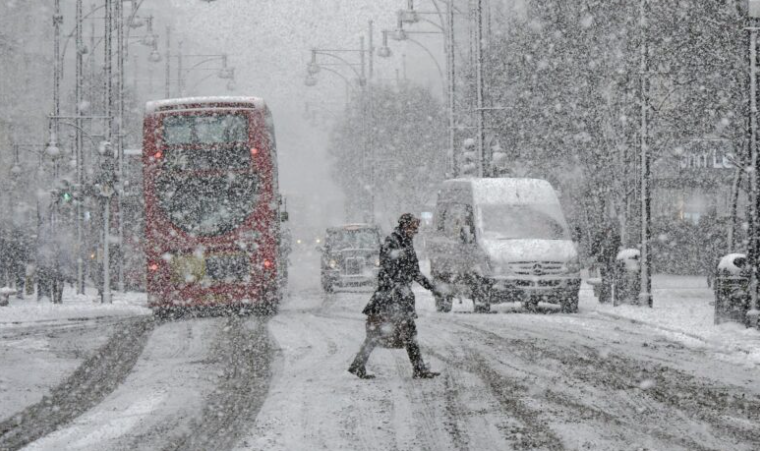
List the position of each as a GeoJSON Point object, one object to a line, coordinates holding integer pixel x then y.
{"type": "Point", "coordinates": [538, 268]}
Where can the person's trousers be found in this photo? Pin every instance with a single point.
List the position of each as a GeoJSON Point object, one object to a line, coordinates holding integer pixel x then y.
{"type": "Point", "coordinates": [393, 334]}
{"type": "Point", "coordinates": [608, 281]}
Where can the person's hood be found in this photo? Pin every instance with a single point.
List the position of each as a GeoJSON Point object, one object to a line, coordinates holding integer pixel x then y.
{"type": "Point", "coordinates": [510, 251]}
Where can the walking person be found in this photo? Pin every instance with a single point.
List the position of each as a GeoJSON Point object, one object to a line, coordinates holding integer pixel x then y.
{"type": "Point", "coordinates": [45, 258]}
{"type": "Point", "coordinates": [19, 250]}
{"type": "Point", "coordinates": [605, 248]}
{"type": "Point", "coordinates": [391, 310]}
{"type": "Point", "coordinates": [5, 260]}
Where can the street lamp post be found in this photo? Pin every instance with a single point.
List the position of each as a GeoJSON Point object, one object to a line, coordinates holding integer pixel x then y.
{"type": "Point", "coordinates": [313, 68]}
{"type": "Point", "coordinates": [411, 16]}
{"type": "Point", "coordinates": [645, 296]}
{"type": "Point", "coordinates": [224, 72]}
{"type": "Point", "coordinates": [479, 103]}
{"type": "Point", "coordinates": [78, 144]}
{"type": "Point", "coordinates": [754, 244]}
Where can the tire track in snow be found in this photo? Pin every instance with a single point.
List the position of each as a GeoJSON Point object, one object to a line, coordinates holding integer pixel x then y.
{"type": "Point", "coordinates": [96, 378]}
{"type": "Point", "coordinates": [691, 401]}
{"type": "Point", "coordinates": [71, 325]}
{"type": "Point", "coordinates": [245, 351]}
{"type": "Point", "coordinates": [529, 430]}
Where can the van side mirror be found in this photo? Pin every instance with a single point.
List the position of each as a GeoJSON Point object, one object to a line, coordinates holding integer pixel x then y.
{"type": "Point", "coordinates": [284, 216]}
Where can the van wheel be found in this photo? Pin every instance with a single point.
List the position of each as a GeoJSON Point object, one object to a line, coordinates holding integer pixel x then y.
{"type": "Point", "coordinates": [570, 304]}
{"type": "Point", "coordinates": [443, 303]}
{"type": "Point", "coordinates": [531, 304]}
{"type": "Point", "coordinates": [481, 298]}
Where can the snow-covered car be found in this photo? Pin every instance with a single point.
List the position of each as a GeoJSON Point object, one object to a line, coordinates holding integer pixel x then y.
{"type": "Point", "coordinates": [503, 240]}
{"type": "Point", "coordinates": [732, 290]}
{"type": "Point", "coordinates": [350, 256]}
{"type": "Point", "coordinates": [733, 264]}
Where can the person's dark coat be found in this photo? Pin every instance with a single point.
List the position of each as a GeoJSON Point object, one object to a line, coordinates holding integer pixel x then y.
{"type": "Point", "coordinates": [399, 267]}
{"type": "Point", "coordinates": [606, 246]}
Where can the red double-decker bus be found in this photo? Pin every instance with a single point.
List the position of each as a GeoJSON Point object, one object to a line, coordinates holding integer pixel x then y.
{"type": "Point", "coordinates": [212, 228]}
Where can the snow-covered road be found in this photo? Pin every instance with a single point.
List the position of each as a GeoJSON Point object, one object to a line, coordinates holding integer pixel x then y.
{"type": "Point", "coordinates": [510, 381]}
{"type": "Point", "coordinates": [595, 380]}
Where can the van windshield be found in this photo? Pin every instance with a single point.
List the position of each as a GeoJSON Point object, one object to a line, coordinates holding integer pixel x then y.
{"type": "Point", "coordinates": [520, 222]}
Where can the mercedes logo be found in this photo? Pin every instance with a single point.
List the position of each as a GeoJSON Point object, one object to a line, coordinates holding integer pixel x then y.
{"type": "Point", "coordinates": [538, 269]}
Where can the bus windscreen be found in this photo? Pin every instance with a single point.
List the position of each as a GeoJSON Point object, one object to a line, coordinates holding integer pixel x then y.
{"type": "Point", "coordinates": [207, 206]}
{"type": "Point", "coordinates": [205, 142]}
{"type": "Point", "coordinates": [205, 129]}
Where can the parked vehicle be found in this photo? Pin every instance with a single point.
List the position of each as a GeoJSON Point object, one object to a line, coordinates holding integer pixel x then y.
{"type": "Point", "coordinates": [503, 240]}
{"type": "Point", "coordinates": [350, 256]}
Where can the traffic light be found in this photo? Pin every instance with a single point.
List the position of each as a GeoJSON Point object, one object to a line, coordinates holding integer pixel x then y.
{"type": "Point", "coordinates": [65, 194]}
{"type": "Point", "coordinates": [469, 158]}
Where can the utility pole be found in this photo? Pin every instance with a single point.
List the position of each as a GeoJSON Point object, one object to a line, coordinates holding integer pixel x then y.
{"type": "Point", "coordinates": [645, 296]}
{"type": "Point", "coordinates": [754, 229]}
{"type": "Point", "coordinates": [180, 87]}
{"type": "Point", "coordinates": [79, 148]}
{"type": "Point", "coordinates": [483, 169]}
{"type": "Point", "coordinates": [369, 108]}
{"type": "Point", "coordinates": [366, 165]}
{"type": "Point", "coordinates": [120, 81]}
{"type": "Point", "coordinates": [108, 138]}
{"type": "Point", "coordinates": [57, 68]}
{"type": "Point", "coordinates": [371, 50]}
{"type": "Point", "coordinates": [108, 54]}
{"type": "Point", "coordinates": [450, 44]}
{"type": "Point", "coordinates": [168, 90]}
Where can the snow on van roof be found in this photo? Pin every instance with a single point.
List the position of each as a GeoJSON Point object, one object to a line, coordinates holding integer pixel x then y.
{"type": "Point", "coordinates": [506, 190]}
{"type": "Point", "coordinates": [152, 107]}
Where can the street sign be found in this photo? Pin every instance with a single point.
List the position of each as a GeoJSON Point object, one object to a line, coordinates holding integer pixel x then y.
{"type": "Point", "coordinates": [754, 9]}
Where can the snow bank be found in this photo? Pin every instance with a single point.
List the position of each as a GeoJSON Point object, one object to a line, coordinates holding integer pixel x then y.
{"type": "Point", "coordinates": [21, 311]}
{"type": "Point", "coordinates": [683, 311]}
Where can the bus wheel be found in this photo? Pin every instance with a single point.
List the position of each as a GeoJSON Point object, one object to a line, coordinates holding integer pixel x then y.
{"type": "Point", "coordinates": [160, 313]}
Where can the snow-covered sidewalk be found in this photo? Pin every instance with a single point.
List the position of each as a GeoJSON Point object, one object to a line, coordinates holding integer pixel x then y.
{"type": "Point", "coordinates": [27, 311]}
{"type": "Point", "coordinates": [683, 310]}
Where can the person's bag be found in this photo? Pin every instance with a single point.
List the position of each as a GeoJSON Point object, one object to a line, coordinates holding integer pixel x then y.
{"type": "Point", "coordinates": [386, 330]}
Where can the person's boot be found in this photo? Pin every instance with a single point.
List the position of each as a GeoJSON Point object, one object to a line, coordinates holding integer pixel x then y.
{"type": "Point", "coordinates": [423, 372]}
{"type": "Point", "coordinates": [360, 371]}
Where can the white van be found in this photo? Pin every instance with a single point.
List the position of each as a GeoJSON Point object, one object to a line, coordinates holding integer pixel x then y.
{"type": "Point", "coordinates": [503, 240]}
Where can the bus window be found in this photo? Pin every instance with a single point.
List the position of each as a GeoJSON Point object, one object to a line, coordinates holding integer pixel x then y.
{"type": "Point", "coordinates": [213, 129]}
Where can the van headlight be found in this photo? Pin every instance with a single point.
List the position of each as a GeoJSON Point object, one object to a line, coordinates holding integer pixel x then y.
{"type": "Point", "coordinates": [500, 269]}
{"type": "Point", "coordinates": [573, 266]}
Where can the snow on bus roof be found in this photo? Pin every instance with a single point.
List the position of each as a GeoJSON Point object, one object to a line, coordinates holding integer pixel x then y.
{"type": "Point", "coordinates": [152, 107]}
